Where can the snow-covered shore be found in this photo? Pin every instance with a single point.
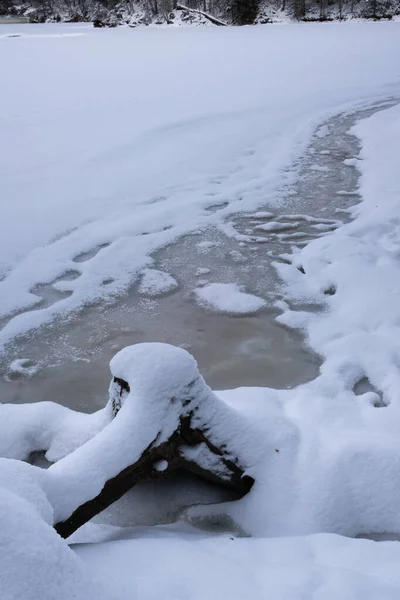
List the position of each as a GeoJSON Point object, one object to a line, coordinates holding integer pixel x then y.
{"type": "Point", "coordinates": [337, 466]}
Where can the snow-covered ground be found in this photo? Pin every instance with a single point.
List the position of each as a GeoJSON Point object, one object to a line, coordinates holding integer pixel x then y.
{"type": "Point", "coordinates": [129, 143]}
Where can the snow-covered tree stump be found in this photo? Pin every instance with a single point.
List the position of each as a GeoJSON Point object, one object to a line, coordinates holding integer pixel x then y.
{"type": "Point", "coordinates": [165, 418]}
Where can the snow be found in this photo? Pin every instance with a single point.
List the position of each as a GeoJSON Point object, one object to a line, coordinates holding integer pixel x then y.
{"type": "Point", "coordinates": [137, 157]}
{"type": "Point", "coordinates": [351, 162]}
{"type": "Point", "coordinates": [155, 283]}
{"type": "Point", "coordinates": [228, 298]}
{"type": "Point", "coordinates": [262, 214]}
{"type": "Point", "coordinates": [206, 246]}
{"type": "Point", "coordinates": [160, 465]}
{"type": "Point", "coordinates": [192, 566]}
{"type": "Point", "coordinates": [34, 561]}
{"type": "Point", "coordinates": [274, 226]}
{"type": "Point", "coordinates": [358, 333]}
{"type": "Point", "coordinates": [175, 369]}
{"type": "Point", "coordinates": [46, 426]}
{"type": "Point", "coordinates": [202, 271]}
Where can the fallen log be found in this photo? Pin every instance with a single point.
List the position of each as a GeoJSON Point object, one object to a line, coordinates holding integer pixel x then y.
{"type": "Point", "coordinates": [213, 20]}
{"type": "Point", "coordinates": [197, 434]}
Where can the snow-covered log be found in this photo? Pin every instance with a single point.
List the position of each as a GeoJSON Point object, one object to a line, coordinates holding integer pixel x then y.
{"type": "Point", "coordinates": [166, 418]}
{"type": "Point", "coordinates": [206, 15]}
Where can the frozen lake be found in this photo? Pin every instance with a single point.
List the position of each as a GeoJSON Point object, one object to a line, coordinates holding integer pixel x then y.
{"type": "Point", "coordinates": [146, 157]}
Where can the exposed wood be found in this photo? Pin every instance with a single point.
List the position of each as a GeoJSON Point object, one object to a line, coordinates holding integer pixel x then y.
{"type": "Point", "coordinates": [226, 472]}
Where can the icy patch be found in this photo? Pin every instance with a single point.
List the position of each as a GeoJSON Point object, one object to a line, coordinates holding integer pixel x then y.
{"type": "Point", "coordinates": [321, 168]}
{"type": "Point", "coordinates": [155, 283]}
{"type": "Point", "coordinates": [322, 131]}
{"type": "Point", "coordinates": [229, 298]}
{"type": "Point", "coordinates": [274, 226]}
{"type": "Point", "coordinates": [202, 271]}
{"type": "Point", "coordinates": [21, 366]}
{"type": "Point", "coordinates": [346, 193]}
{"type": "Point", "coordinates": [206, 246]}
{"type": "Point", "coordinates": [262, 214]}
{"type": "Point", "coordinates": [352, 162]}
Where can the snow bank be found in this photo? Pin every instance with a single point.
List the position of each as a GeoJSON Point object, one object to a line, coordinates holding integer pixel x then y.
{"type": "Point", "coordinates": [161, 564]}
{"type": "Point", "coordinates": [46, 426]}
{"type": "Point", "coordinates": [229, 298]}
{"type": "Point", "coordinates": [34, 561]}
{"type": "Point", "coordinates": [358, 265]}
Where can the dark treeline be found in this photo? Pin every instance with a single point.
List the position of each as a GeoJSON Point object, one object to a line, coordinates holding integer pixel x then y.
{"type": "Point", "coordinates": [236, 12]}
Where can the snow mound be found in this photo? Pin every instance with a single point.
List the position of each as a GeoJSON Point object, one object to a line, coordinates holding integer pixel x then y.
{"type": "Point", "coordinates": [154, 370]}
{"type": "Point", "coordinates": [34, 561]}
{"type": "Point", "coordinates": [48, 427]}
{"type": "Point", "coordinates": [155, 283]}
{"type": "Point", "coordinates": [229, 298]}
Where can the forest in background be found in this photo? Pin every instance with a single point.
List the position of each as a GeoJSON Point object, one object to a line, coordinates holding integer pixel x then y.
{"type": "Point", "coordinates": [220, 12]}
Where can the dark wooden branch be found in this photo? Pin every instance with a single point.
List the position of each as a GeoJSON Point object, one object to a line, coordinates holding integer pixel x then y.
{"type": "Point", "coordinates": [225, 472]}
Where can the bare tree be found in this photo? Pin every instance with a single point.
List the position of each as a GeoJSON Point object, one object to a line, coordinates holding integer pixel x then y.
{"type": "Point", "coordinates": [299, 9]}
{"type": "Point", "coordinates": [165, 8]}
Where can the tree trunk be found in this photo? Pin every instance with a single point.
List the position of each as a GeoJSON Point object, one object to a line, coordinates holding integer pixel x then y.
{"type": "Point", "coordinates": [224, 472]}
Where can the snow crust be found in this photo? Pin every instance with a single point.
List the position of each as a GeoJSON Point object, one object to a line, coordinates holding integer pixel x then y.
{"type": "Point", "coordinates": [229, 298]}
